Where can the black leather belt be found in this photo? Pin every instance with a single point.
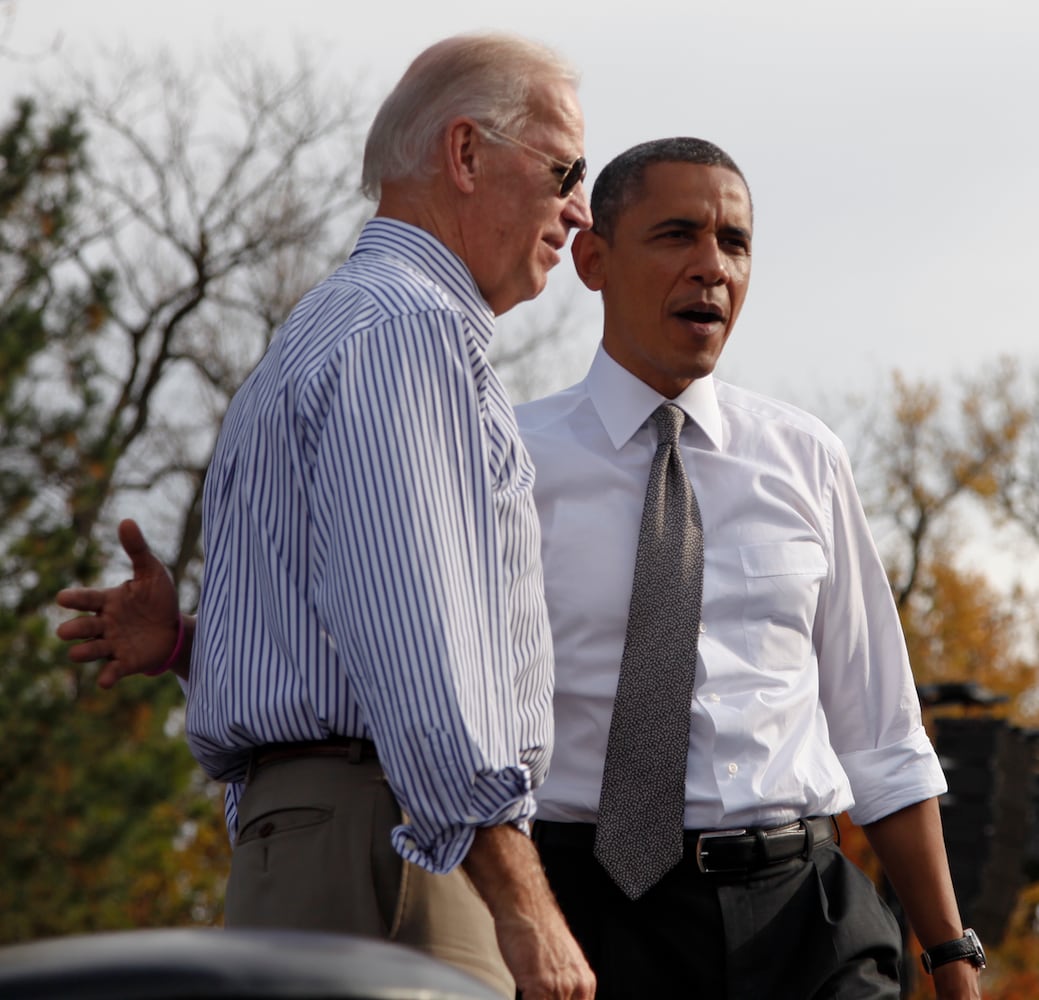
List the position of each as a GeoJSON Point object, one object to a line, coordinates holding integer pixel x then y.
{"type": "Point", "coordinates": [353, 749]}
{"type": "Point", "coordinates": [728, 852]}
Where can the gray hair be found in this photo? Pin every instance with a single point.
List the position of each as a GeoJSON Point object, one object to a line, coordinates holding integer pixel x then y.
{"type": "Point", "coordinates": [486, 77]}
{"type": "Point", "coordinates": [620, 182]}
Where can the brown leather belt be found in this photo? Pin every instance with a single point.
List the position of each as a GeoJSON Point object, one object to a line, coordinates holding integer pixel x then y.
{"type": "Point", "coordinates": [351, 748]}
{"type": "Point", "coordinates": [723, 852]}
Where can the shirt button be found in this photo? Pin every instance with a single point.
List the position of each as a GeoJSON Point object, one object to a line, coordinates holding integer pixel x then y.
{"type": "Point", "coordinates": [703, 628]}
{"type": "Point", "coordinates": [409, 844]}
{"type": "Point", "coordinates": [733, 768]}
{"type": "Point", "coordinates": [715, 697]}
{"type": "Point", "coordinates": [472, 819]}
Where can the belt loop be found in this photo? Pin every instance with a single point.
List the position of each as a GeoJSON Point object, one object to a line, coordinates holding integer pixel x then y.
{"type": "Point", "coordinates": [809, 839]}
{"type": "Point", "coordinates": [355, 751]}
{"type": "Point", "coordinates": [761, 844]}
{"type": "Point", "coordinates": [836, 830]}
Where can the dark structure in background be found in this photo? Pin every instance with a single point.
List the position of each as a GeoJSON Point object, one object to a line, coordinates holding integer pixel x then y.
{"type": "Point", "coordinates": [990, 811]}
{"type": "Point", "coordinates": [209, 964]}
{"type": "Point", "coordinates": [990, 815]}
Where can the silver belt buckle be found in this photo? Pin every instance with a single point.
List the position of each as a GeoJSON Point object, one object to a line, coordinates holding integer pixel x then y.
{"type": "Point", "coordinates": [712, 835]}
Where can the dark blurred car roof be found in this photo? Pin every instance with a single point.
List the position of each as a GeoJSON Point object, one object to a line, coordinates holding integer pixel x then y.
{"type": "Point", "coordinates": [200, 963]}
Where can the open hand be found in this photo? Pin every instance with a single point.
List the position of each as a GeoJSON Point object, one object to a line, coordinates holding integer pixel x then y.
{"type": "Point", "coordinates": [132, 626]}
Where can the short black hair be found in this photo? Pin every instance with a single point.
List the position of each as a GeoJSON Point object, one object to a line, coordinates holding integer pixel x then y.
{"type": "Point", "coordinates": [620, 181]}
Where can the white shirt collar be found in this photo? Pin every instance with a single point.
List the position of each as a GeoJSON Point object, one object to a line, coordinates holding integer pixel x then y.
{"type": "Point", "coordinates": [624, 402]}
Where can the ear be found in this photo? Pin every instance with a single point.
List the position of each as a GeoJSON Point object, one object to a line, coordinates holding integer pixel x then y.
{"type": "Point", "coordinates": [589, 251]}
{"type": "Point", "coordinates": [460, 150]}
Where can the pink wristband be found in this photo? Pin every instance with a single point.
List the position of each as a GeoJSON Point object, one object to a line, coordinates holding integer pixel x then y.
{"type": "Point", "coordinates": [172, 658]}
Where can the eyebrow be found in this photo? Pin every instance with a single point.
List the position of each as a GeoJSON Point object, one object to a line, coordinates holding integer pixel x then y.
{"type": "Point", "coordinates": [680, 222]}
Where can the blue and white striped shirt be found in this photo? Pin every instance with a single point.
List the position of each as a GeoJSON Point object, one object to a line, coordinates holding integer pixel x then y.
{"type": "Point", "coordinates": [372, 552]}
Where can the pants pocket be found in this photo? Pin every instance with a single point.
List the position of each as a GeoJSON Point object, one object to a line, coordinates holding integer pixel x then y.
{"type": "Point", "coordinates": [279, 822]}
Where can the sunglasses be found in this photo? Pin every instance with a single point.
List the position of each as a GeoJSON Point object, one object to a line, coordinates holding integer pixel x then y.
{"type": "Point", "coordinates": [569, 174]}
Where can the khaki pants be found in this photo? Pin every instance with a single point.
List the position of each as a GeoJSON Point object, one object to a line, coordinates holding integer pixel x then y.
{"type": "Point", "coordinates": [313, 853]}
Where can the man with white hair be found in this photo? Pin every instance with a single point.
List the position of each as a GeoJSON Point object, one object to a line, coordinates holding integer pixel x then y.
{"type": "Point", "coordinates": [372, 662]}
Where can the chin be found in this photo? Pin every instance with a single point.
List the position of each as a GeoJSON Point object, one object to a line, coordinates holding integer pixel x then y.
{"type": "Point", "coordinates": [538, 284]}
{"type": "Point", "coordinates": [700, 368]}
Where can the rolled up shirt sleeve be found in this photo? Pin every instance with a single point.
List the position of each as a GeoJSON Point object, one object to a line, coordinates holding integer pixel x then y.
{"type": "Point", "coordinates": [889, 778]}
{"type": "Point", "coordinates": [427, 578]}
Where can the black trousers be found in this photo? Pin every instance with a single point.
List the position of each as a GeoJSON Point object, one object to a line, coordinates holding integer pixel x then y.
{"type": "Point", "coordinates": [804, 930]}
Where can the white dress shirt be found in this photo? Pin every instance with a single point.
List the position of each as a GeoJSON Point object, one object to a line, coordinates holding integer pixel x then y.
{"type": "Point", "coordinates": [372, 552]}
{"type": "Point", "coordinates": [804, 703]}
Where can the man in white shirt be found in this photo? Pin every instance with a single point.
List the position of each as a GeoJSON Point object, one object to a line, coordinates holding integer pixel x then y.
{"type": "Point", "coordinates": [803, 705]}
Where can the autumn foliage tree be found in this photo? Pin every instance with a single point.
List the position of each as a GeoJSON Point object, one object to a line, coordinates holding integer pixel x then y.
{"type": "Point", "coordinates": [936, 465]}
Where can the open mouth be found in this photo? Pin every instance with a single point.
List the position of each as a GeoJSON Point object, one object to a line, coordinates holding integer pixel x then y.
{"type": "Point", "coordinates": [700, 314]}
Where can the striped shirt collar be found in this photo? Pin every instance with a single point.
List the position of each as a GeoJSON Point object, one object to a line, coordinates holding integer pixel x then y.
{"type": "Point", "coordinates": [624, 403]}
{"type": "Point", "coordinates": [419, 250]}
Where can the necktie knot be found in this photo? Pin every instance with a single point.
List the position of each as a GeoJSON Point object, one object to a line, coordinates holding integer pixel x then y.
{"type": "Point", "coordinates": [669, 419]}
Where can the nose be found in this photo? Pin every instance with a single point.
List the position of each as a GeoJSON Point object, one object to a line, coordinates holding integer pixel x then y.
{"type": "Point", "coordinates": [576, 211]}
{"type": "Point", "coordinates": [707, 263]}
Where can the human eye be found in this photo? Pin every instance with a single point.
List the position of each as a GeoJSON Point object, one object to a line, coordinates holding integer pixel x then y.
{"type": "Point", "coordinates": [675, 234]}
{"type": "Point", "coordinates": [735, 243]}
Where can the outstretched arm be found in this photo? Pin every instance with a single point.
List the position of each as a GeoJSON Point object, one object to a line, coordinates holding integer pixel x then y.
{"type": "Point", "coordinates": [911, 848]}
{"type": "Point", "coordinates": [133, 626]}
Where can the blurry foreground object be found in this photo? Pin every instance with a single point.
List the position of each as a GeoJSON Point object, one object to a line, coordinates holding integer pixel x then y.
{"type": "Point", "coordinates": [202, 963]}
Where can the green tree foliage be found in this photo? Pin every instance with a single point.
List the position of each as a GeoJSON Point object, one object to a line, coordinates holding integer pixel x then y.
{"type": "Point", "coordinates": [151, 238]}
{"type": "Point", "coordinates": [106, 824]}
{"type": "Point", "coordinates": [45, 407]}
{"type": "Point", "coordinates": [103, 820]}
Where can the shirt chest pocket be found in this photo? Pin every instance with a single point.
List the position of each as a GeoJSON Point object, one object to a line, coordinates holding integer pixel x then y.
{"type": "Point", "coordinates": [782, 581]}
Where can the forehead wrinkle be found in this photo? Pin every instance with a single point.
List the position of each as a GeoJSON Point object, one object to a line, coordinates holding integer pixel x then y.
{"type": "Point", "coordinates": [555, 110]}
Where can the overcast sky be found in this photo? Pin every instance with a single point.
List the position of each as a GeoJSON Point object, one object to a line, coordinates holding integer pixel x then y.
{"type": "Point", "coordinates": [890, 145]}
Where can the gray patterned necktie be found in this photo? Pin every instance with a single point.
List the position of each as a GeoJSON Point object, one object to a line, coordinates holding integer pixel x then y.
{"type": "Point", "coordinates": [639, 830]}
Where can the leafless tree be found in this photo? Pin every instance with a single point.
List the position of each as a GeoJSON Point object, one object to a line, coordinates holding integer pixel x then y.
{"type": "Point", "coordinates": [215, 195]}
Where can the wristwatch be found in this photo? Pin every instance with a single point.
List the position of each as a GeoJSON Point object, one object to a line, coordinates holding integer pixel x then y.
{"type": "Point", "coordinates": [967, 947]}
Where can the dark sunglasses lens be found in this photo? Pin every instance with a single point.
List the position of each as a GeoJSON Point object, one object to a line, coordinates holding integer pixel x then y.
{"type": "Point", "coordinates": [573, 176]}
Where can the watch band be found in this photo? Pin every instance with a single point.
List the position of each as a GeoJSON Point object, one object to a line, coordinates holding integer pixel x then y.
{"type": "Point", "coordinates": [967, 947]}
